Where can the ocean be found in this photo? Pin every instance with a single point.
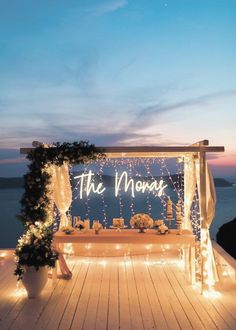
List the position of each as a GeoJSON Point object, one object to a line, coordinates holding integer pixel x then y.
{"type": "Point", "coordinates": [11, 228]}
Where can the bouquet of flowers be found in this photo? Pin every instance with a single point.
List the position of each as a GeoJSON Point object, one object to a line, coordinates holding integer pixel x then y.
{"type": "Point", "coordinates": [141, 221]}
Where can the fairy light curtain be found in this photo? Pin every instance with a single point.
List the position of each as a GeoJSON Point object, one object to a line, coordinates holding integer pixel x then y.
{"type": "Point", "coordinates": [146, 170]}
{"type": "Point", "coordinates": [186, 198]}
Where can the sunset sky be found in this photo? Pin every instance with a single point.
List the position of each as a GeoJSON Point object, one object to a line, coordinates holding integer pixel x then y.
{"type": "Point", "coordinates": [118, 72]}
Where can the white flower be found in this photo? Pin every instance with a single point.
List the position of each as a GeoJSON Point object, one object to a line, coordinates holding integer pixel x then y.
{"type": "Point", "coordinates": [163, 229]}
{"type": "Point", "coordinates": [159, 222]}
{"type": "Point", "coordinates": [141, 220]}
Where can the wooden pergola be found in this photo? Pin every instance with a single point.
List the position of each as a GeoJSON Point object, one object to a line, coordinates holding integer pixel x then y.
{"type": "Point", "coordinates": [197, 151]}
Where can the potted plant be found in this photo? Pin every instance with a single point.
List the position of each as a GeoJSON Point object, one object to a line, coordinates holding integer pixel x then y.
{"type": "Point", "coordinates": [33, 255]}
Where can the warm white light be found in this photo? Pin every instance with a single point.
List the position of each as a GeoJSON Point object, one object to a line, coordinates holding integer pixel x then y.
{"type": "Point", "coordinates": [180, 263]}
{"type": "Point", "coordinates": [88, 246]}
{"type": "Point", "coordinates": [68, 249]}
{"type": "Point", "coordinates": [211, 294]}
{"type": "Point", "coordinates": [148, 246]}
{"type": "Point", "coordinates": [3, 255]}
{"type": "Point", "coordinates": [90, 186]}
{"type": "Point", "coordinates": [103, 263]}
{"type": "Point", "coordinates": [87, 186]}
{"type": "Point", "coordinates": [138, 186]}
{"type": "Point", "coordinates": [19, 291]}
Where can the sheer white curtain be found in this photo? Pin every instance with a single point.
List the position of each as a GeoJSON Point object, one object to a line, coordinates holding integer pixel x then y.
{"type": "Point", "coordinates": [189, 189]}
{"type": "Point", "coordinates": [206, 223]}
{"type": "Point", "coordinates": [62, 193]}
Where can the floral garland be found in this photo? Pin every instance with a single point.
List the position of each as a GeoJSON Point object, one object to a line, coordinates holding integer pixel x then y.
{"type": "Point", "coordinates": [36, 199]}
{"type": "Point", "coordinates": [34, 248]}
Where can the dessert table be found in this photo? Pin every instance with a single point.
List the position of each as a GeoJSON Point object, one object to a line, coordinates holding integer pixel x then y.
{"type": "Point", "coordinates": [112, 240]}
{"type": "Point", "coordinates": [127, 236]}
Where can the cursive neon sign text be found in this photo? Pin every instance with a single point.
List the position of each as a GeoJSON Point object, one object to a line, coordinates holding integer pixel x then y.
{"type": "Point", "coordinates": [141, 186]}
{"type": "Point", "coordinates": [86, 179]}
{"type": "Point", "coordinates": [122, 181]}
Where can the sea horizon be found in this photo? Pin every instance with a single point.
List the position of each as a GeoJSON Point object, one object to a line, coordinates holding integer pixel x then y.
{"type": "Point", "coordinates": [11, 227]}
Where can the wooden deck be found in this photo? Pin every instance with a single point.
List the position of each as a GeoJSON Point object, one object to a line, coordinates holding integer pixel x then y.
{"type": "Point", "coordinates": [137, 292]}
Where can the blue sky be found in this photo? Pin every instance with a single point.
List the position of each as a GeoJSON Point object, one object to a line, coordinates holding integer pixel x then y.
{"type": "Point", "coordinates": [116, 72]}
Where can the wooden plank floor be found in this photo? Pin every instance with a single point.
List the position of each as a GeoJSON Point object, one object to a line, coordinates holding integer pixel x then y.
{"type": "Point", "coordinates": [116, 293]}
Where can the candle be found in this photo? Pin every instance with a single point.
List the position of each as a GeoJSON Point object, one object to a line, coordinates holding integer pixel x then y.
{"type": "Point", "coordinates": [169, 210]}
{"type": "Point", "coordinates": [87, 224]}
{"type": "Point", "coordinates": [178, 216]}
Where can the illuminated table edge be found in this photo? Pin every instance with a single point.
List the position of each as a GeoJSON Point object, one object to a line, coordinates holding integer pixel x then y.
{"type": "Point", "coordinates": [125, 236]}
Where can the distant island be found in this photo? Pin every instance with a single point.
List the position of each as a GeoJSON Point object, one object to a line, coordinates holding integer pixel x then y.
{"type": "Point", "coordinates": [18, 182]}
{"type": "Point", "coordinates": [11, 183]}
{"type": "Point", "coordinates": [220, 182]}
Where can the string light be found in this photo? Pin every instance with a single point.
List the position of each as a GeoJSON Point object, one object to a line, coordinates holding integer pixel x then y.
{"type": "Point", "coordinates": [121, 206]}
{"type": "Point", "coordinates": [100, 172]}
{"type": "Point", "coordinates": [87, 198]}
{"type": "Point", "coordinates": [170, 178]}
{"type": "Point", "coordinates": [134, 169]}
{"type": "Point", "coordinates": [149, 206]}
{"type": "Point", "coordinates": [131, 198]}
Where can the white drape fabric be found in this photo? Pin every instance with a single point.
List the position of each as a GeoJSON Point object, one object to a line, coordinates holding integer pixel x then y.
{"type": "Point", "coordinates": [62, 193]}
{"type": "Point", "coordinates": [206, 223]}
{"type": "Point", "coordinates": [189, 190]}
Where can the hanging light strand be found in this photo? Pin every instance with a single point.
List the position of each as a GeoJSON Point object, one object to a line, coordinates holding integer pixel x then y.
{"type": "Point", "coordinates": [146, 164]}
{"type": "Point", "coordinates": [87, 205]}
{"type": "Point", "coordinates": [130, 171]}
{"type": "Point", "coordinates": [164, 166]}
{"type": "Point", "coordinates": [121, 206]}
{"type": "Point", "coordinates": [100, 173]}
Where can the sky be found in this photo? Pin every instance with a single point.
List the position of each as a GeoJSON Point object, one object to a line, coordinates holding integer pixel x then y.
{"type": "Point", "coordinates": [118, 72]}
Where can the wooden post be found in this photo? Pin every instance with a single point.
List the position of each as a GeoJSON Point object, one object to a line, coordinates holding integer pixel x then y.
{"type": "Point", "coordinates": [203, 216]}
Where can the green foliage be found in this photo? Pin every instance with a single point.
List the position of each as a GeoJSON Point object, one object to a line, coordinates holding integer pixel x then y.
{"type": "Point", "coordinates": [37, 181]}
{"type": "Point", "coordinates": [34, 248]}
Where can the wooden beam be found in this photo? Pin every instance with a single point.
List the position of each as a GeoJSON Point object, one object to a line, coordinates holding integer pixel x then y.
{"type": "Point", "coordinates": [150, 151]}
{"type": "Point", "coordinates": [201, 143]}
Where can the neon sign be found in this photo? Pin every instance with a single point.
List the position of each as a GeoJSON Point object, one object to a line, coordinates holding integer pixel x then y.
{"type": "Point", "coordinates": [122, 181]}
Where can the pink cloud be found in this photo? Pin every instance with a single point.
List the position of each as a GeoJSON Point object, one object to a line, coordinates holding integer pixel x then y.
{"type": "Point", "coordinates": [19, 160]}
{"type": "Point", "coordinates": [226, 161]}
